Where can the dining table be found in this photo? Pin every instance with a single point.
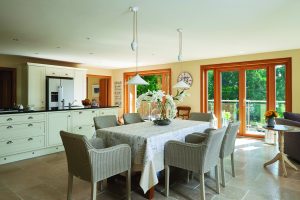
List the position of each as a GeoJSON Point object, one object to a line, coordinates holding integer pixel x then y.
{"type": "Point", "coordinates": [147, 142]}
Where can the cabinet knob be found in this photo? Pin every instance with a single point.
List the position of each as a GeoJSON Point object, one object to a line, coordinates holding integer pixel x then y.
{"type": "Point", "coordinates": [93, 111]}
{"type": "Point", "coordinates": [29, 125]}
{"type": "Point", "coordinates": [93, 125]}
{"type": "Point", "coordinates": [80, 112]}
{"type": "Point", "coordinates": [9, 119]}
{"type": "Point", "coordinates": [80, 127]}
{"type": "Point", "coordinates": [53, 73]}
{"type": "Point", "coordinates": [69, 115]}
{"type": "Point", "coordinates": [30, 117]}
{"type": "Point", "coordinates": [9, 142]}
{"type": "Point", "coordinates": [29, 139]}
{"type": "Point", "coordinates": [9, 127]}
{"type": "Point", "coordinates": [66, 74]}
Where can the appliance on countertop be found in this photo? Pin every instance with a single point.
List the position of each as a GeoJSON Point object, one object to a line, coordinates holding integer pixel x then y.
{"type": "Point", "coordinates": [59, 92]}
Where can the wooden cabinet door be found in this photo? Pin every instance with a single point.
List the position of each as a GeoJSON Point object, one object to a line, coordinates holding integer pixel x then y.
{"type": "Point", "coordinates": [36, 86]}
{"type": "Point", "coordinates": [57, 121]}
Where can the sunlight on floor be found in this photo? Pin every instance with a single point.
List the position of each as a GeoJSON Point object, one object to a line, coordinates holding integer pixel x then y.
{"type": "Point", "coordinates": [244, 141]}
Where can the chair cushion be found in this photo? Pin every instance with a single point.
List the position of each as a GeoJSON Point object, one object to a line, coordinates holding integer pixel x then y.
{"type": "Point", "coordinates": [291, 116]}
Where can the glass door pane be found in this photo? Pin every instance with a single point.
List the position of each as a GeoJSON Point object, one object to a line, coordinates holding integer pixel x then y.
{"type": "Point", "coordinates": [155, 83]}
{"type": "Point", "coordinates": [229, 96]}
{"type": "Point", "coordinates": [210, 91]}
{"type": "Point", "coordinates": [280, 71]}
{"type": "Point", "coordinates": [256, 100]}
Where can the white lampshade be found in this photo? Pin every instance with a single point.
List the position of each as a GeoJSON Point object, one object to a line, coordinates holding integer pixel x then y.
{"type": "Point", "coordinates": [137, 80]}
{"type": "Point", "coordinates": [182, 85]}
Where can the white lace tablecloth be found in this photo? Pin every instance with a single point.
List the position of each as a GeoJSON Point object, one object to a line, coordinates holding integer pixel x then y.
{"type": "Point", "coordinates": [147, 143]}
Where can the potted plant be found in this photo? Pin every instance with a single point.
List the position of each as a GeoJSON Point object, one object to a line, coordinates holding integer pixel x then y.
{"type": "Point", "coordinates": [270, 117]}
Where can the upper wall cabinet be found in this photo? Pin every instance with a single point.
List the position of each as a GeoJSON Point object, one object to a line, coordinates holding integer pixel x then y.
{"type": "Point", "coordinates": [61, 72]}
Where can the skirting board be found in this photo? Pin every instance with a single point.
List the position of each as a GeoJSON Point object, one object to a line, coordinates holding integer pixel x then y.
{"type": "Point", "coordinates": [30, 154]}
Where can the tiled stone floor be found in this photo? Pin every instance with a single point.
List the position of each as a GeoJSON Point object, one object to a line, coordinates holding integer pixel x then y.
{"type": "Point", "coordinates": [45, 178]}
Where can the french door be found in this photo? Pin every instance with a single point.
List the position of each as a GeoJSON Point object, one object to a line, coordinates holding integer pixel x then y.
{"type": "Point", "coordinates": [245, 91]}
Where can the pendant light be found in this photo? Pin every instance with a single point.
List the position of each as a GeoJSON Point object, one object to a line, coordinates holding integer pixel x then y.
{"type": "Point", "coordinates": [181, 84]}
{"type": "Point", "coordinates": [137, 79]}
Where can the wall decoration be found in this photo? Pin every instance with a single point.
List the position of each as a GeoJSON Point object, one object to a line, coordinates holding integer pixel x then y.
{"type": "Point", "coordinates": [118, 93]}
{"type": "Point", "coordinates": [95, 90]}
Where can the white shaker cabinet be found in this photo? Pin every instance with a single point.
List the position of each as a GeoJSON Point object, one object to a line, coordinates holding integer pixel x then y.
{"type": "Point", "coordinates": [79, 85]}
{"type": "Point", "coordinates": [58, 121]}
{"type": "Point", "coordinates": [36, 86]}
{"type": "Point", "coordinates": [60, 72]}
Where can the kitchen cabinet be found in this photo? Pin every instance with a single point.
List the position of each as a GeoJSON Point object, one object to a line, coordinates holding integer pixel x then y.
{"type": "Point", "coordinates": [87, 130]}
{"type": "Point", "coordinates": [83, 122]}
{"type": "Point", "coordinates": [60, 72]}
{"type": "Point", "coordinates": [58, 121]}
{"type": "Point", "coordinates": [108, 111]}
{"type": "Point", "coordinates": [21, 133]}
{"type": "Point", "coordinates": [79, 86]}
{"type": "Point", "coordinates": [36, 86]}
{"type": "Point", "coordinates": [27, 135]}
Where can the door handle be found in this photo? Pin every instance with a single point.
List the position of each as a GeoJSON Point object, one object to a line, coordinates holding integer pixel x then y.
{"type": "Point", "coordinates": [9, 119]}
{"type": "Point", "coordinates": [9, 142]}
{"type": "Point", "coordinates": [30, 117]}
{"type": "Point", "coordinates": [9, 127]}
{"type": "Point", "coordinates": [29, 139]}
{"type": "Point", "coordinates": [29, 125]}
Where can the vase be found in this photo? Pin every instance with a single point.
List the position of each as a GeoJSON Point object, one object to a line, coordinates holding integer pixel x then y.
{"type": "Point", "coordinates": [162, 122]}
{"type": "Point", "coordinates": [271, 122]}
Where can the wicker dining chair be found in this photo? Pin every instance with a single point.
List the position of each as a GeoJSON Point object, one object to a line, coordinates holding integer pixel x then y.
{"type": "Point", "coordinates": [198, 116]}
{"type": "Point", "coordinates": [131, 118]}
{"type": "Point", "coordinates": [105, 121]}
{"type": "Point", "coordinates": [90, 161]}
{"type": "Point", "coordinates": [228, 146]}
{"type": "Point", "coordinates": [199, 154]}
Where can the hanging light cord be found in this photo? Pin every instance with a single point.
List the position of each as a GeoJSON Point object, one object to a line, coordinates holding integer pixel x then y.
{"type": "Point", "coordinates": [136, 39]}
{"type": "Point", "coordinates": [134, 43]}
{"type": "Point", "coordinates": [180, 44]}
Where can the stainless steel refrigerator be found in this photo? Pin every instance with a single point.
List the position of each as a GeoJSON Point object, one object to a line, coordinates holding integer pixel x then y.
{"type": "Point", "coordinates": [59, 92]}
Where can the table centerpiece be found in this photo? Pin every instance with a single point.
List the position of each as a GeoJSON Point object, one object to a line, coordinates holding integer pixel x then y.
{"type": "Point", "coordinates": [165, 104]}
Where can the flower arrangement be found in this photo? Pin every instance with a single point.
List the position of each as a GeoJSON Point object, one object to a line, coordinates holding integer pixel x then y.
{"type": "Point", "coordinates": [271, 114]}
{"type": "Point", "coordinates": [165, 103]}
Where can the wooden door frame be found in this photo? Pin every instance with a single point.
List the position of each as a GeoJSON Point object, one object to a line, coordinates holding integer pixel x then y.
{"type": "Point", "coordinates": [128, 75]}
{"type": "Point", "coordinates": [14, 80]}
{"type": "Point", "coordinates": [109, 90]}
{"type": "Point", "coordinates": [268, 64]}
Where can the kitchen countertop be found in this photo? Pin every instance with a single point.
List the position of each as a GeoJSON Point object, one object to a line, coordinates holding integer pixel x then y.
{"type": "Point", "coordinates": [37, 111]}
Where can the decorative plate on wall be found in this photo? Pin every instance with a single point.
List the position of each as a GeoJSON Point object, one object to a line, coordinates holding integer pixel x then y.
{"type": "Point", "coordinates": [186, 77]}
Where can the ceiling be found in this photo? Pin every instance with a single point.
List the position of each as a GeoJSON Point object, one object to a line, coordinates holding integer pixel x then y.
{"type": "Point", "coordinates": [99, 32]}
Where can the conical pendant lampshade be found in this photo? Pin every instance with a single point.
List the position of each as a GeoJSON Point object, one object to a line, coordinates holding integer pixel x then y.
{"type": "Point", "coordinates": [137, 80]}
{"type": "Point", "coordinates": [181, 84]}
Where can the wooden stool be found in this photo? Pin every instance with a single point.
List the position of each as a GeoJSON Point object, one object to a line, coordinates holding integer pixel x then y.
{"type": "Point", "coordinates": [183, 112]}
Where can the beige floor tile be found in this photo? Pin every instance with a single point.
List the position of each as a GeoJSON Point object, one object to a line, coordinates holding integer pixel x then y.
{"type": "Point", "coordinates": [45, 178]}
